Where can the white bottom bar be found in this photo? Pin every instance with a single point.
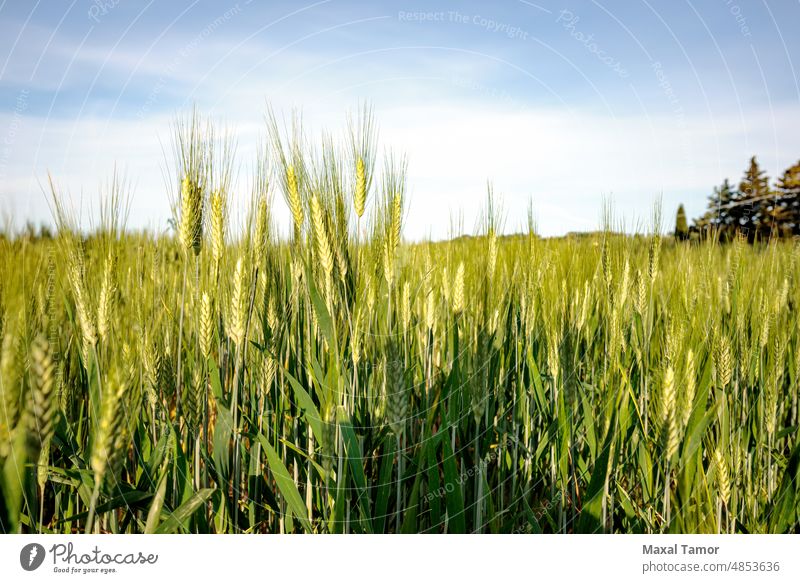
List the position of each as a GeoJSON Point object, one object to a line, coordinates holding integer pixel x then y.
{"type": "Point", "coordinates": [419, 557]}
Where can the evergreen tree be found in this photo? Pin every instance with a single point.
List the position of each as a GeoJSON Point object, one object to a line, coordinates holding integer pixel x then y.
{"type": "Point", "coordinates": [752, 212]}
{"type": "Point", "coordinates": [788, 201]}
{"type": "Point", "coordinates": [755, 210]}
{"type": "Point", "coordinates": [717, 220]}
{"type": "Point", "coordinates": [681, 225]}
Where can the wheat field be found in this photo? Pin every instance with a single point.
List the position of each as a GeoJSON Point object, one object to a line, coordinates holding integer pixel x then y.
{"type": "Point", "coordinates": [225, 377]}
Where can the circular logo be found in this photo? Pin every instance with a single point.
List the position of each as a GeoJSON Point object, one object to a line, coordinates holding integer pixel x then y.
{"type": "Point", "coordinates": [31, 556]}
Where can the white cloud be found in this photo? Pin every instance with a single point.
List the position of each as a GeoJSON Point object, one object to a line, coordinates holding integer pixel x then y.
{"type": "Point", "coordinates": [456, 138]}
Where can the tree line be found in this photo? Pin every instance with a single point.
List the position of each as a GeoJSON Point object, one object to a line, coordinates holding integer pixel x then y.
{"type": "Point", "coordinates": [754, 209]}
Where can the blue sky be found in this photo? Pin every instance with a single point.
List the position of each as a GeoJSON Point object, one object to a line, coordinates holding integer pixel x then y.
{"type": "Point", "coordinates": [566, 102]}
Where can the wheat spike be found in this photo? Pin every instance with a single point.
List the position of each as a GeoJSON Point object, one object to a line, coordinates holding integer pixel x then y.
{"type": "Point", "coordinates": [771, 406]}
{"type": "Point", "coordinates": [653, 257]}
{"type": "Point", "coordinates": [268, 372]}
{"type": "Point", "coordinates": [553, 356]}
{"type": "Point", "coordinates": [723, 366]}
{"type": "Point", "coordinates": [641, 293]}
{"type": "Point", "coordinates": [458, 290]}
{"type": "Point", "coordinates": [388, 262]}
{"type": "Point", "coordinates": [397, 219]}
{"type": "Point", "coordinates": [238, 308]}
{"type": "Point", "coordinates": [295, 202]}
{"type": "Point", "coordinates": [193, 399]}
{"type": "Point", "coordinates": [766, 323]}
{"type": "Point", "coordinates": [668, 418]}
{"type": "Point", "coordinates": [396, 394]}
{"type": "Point", "coordinates": [723, 476]}
{"type": "Point", "coordinates": [605, 263]}
{"type": "Point", "coordinates": [262, 229]}
{"type": "Point", "coordinates": [191, 216]}
{"type": "Point", "coordinates": [405, 305]}
{"type": "Point", "coordinates": [43, 387]}
{"type": "Point", "coordinates": [75, 274]}
{"type": "Point", "coordinates": [218, 217]}
{"type": "Point", "coordinates": [325, 255]}
{"type": "Point", "coordinates": [206, 325]}
{"type": "Point", "coordinates": [624, 284]}
{"type": "Point", "coordinates": [356, 336]}
{"type": "Point", "coordinates": [111, 421]}
{"type": "Point", "coordinates": [360, 196]}
{"type": "Point", "coordinates": [104, 305]}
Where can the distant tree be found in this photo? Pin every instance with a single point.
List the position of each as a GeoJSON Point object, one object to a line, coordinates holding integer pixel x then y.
{"type": "Point", "coordinates": [681, 225]}
{"type": "Point", "coordinates": [787, 201]}
{"type": "Point", "coordinates": [752, 212]}
{"type": "Point", "coordinates": [717, 220]}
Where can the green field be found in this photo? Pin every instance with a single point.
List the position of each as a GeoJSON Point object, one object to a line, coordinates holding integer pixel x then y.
{"type": "Point", "coordinates": [341, 379]}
